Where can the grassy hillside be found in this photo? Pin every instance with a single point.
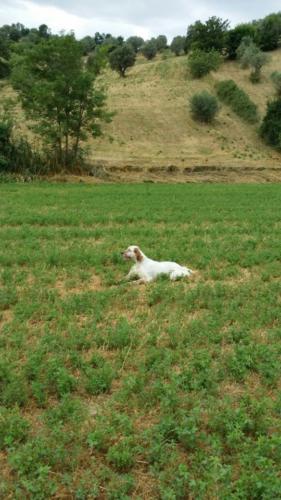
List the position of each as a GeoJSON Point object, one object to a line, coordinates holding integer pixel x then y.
{"type": "Point", "coordinates": [153, 129]}
{"type": "Point", "coordinates": [115, 391]}
{"type": "Point", "coordinates": [153, 125]}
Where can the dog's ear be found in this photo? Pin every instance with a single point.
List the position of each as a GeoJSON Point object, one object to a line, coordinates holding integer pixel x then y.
{"type": "Point", "coordinates": [138, 254]}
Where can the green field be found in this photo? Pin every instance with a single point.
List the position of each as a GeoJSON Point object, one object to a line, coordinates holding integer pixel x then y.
{"type": "Point", "coordinates": [112, 390]}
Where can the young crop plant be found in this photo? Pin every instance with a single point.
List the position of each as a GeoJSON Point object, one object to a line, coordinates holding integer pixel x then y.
{"type": "Point", "coordinates": [167, 390]}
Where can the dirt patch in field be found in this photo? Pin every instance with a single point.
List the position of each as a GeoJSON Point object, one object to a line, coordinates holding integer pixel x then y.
{"type": "Point", "coordinates": [92, 285]}
{"type": "Point", "coordinates": [5, 317]}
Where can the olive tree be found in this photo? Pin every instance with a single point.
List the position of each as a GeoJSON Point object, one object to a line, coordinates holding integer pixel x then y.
{"type": "Point", "coordinates": [252, 57]}
{"type": "Point", "coordinates": [122, 58]}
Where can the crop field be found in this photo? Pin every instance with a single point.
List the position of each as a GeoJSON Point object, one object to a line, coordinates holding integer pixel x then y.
{"type": "Point", "coordinates": [112, 390]}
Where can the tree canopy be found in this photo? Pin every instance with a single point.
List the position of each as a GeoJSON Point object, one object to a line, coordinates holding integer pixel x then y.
{"type": "Point", "coordinates": [122, 58]}
{"type": "Point", "coordinates": [59, 96]}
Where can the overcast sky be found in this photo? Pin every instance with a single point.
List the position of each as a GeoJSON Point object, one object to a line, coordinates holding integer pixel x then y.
{"type": "Point", "coordinates": [145, 18]}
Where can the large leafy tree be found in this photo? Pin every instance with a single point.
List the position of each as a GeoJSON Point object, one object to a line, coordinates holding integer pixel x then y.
{"type": "Point", "coordinates": [59, 95]}
{"type": "Point", "coordinates": [269, 32]}
{"type": "Point", "coordinates": [235, 36]}
{"type": "Point", "coordinates": [207, 36]}
{"type": "Point", "coordinates": [122, 58]}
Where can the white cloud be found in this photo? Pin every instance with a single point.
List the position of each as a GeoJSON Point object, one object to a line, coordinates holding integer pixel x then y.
{"type": "Point", "coordinates": [126, 17]}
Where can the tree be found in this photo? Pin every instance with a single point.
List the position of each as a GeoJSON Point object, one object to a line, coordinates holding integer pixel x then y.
{"type": "Point", "coordinates": [99, 38]}
{"type": "Point", "coordinates": [122, 58]}
{"type": "Point", "coordinates": [207, 36]}
{"type": "Point", "coordinates": [204, 106]}
{"type": "Point", "coordinates": [4, 68]}
{"type": "Point", "coordinates": [200, 63]}
{"type": "Point", "coordinates": [59, 96]}
{"type": "Point", "coordinates": [44, 31]}
{"type": "Point", "coordinates": [97, 60]}
{"type": "Point", "coordinates": [113, 42]}
{"type": "Point", "coordinates": [149, 49]}
{"type": "Point", "coordinates": [136, 42]}
{"type": "Point", "coordinates": [235, 36]}
{"type": "Point", "coordinates": [88, 44]}
{"type": "Point", "coordinates": [161, 42]}
{"type": "Point", "coordinates": [271, 126]}
{"type": "Point", "coordinates": [252, 57]}
{"type": "Point", "coordinates": [269, 32]}
{"type": "Point", "coordinates": [177, 45]}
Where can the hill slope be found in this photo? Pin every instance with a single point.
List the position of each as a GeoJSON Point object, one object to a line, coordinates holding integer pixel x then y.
{"type": "Point", "coordinates": [153, 129]}
{"type": "Point", "coordinates": [152, 135]}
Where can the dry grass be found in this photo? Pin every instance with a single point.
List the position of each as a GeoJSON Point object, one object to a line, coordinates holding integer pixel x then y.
{"type": "Point", "coordinates": [153, 126]}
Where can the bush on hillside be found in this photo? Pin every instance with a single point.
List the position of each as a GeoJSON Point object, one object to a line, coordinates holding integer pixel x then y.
{"type": "Point", "coordinates": [200, 63]}
{"type": "Point", "coordinates": [238, 100]}
{"type": "Point", "coordinates": [276, 80]}
{"type": "Point", "coordinates": [204, 107]}
{"type": "Point", "coordinates": [271, 125]}
{"type": "Point", "coordinates": [17, 155]}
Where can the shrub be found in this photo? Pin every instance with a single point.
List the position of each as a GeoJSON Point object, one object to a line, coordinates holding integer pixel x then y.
{"type": "Point", "coordinates": [16, 154]}
{"type": "Point", "coordinates": [5, 145]}
{"type": "Point", "coordinates": [238, 100]}
{"type": "Point", "coordinates": [200, 63]}
{"type": "Point", "coordinates": [204, 106]}
{"type": "Point", "coordinates": [276, 80]}
{"type": "Point", "coordinates": [271, 126]}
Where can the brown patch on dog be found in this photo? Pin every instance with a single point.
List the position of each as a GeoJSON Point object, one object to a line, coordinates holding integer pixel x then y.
{"type": "Point", "coordinates": [138, 254]}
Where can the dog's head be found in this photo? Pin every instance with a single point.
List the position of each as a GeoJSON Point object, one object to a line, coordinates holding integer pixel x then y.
{"type": "Point", "coordinates": [133, 253]}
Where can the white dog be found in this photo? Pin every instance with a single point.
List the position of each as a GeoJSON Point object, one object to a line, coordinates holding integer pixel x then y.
{"type": "Point", "coordinates": [147, 269]}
